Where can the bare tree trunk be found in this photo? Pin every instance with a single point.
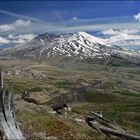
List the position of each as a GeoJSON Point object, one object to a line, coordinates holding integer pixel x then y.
{"type": "Point", "coordinates": [8, 123]}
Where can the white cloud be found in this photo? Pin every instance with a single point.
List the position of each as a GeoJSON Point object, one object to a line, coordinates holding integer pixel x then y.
{"type": "Point", "coordinates": [19, 41]}
{"type": "Point", "coordinates": [123, 36]}
{"type": "Point", "coordinates": [132, 31]}
{"type": "Point", "coordinates": [128, 43]}
{"type": "Point", "coordinates": [132, 43]}
{"type": "Point", "coordinates": [95, 27]}
{"type": "Point", "coordinates": [124, 39]}
{"type": "Point", "coordinates": [115, 32]}
{"type": "Point", "coordinates": [137, 17]}
{"type": "Point", "coordinates": [21, 22]}
{"type": "Point", "coordinates": [6, 27]}
{"type": "Point", "coordinates": [10, 36]}
{"type": "Point", "coordinates": [75, 18]}
{"type": "Point", "coordinates": [85, 26]}
{"type": "Point", "coordinates": [3, 41]}
{"type": "Point", "coordinates": [109, 32]}
{"type": "Point", "coordinates": [17, 24]}
{"type": "Point", "coordinates": [21, 38]}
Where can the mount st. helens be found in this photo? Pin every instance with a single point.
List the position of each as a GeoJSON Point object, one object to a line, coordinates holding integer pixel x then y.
{"type": "Point", "coordinates": [77, 46]}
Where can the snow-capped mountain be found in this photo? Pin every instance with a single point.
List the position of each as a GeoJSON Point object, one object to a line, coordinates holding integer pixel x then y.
{"type": "Point", "coordinates": [79, 46]}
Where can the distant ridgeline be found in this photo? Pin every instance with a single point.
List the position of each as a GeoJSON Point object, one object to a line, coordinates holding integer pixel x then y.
{"type": "Point", "coordinates": [72, 48]}
{"type": "Point", "coordinates": [8, 126]}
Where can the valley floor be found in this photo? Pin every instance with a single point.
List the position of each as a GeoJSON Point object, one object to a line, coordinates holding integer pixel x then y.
{"type": "Point", "coordinates": [114, 91]}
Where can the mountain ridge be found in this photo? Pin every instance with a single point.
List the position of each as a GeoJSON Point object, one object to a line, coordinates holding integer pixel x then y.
{"type": "Point", "coordinates": [79, 46]}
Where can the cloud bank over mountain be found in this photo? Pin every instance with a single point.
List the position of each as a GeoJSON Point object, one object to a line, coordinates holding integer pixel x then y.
{"type": "Point", "coordinates": [119, 26]}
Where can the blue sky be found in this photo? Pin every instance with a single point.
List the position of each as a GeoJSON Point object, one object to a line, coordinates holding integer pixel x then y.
{"type": "Point", "coordinates": [116, 21]}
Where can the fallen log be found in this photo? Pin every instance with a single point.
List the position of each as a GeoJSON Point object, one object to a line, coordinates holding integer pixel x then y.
{"type": "Point", "coordinates": [110, 129]}
{"type": "Point", "coordinates": [88, 120]}
{"type": "Point", "coordinates": [107, 122]}
{"type": "Point", "coordinates": [100, 117]}
{"type": "Point", "coordinates": [120, 134]}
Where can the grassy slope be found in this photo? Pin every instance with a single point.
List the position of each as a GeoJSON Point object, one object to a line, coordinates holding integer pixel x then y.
{"type": "Point", "coordinates": [118, 103]}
